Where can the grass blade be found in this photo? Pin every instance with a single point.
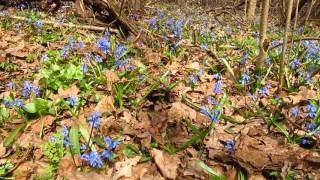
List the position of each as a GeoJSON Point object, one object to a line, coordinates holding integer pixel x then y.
{"type": "Point", "coordinates": [12, 135]}
{"type": "Point", "coordinates": [75, 139]}
{"type": "Point", "coordinates": [85, 134]}
{"type": "Point", "coordinates": [206, 167]}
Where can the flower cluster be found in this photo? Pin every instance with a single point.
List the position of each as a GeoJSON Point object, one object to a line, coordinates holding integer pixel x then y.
{"type": "Point", "coordinates": [312, 110]}
{"type": "Point", "coordinates": [245, 79]}
{"type": "Point", "coordinates": [265, 89]}
{"type": "Point", "coordinates": [229, 145]}
{"type": "Point", "coordinates": [295, 63]}
{"type": "Point", "coordinates": [213, 115]}
{"type": "Point", "coordinates": [94, 119]}
{"type": "Point", "coordinates": [28, 88]}
{"type": "Point", "coordinates": [13, 103]}
{"type": "Point", "coordinates": [73, 100]}
{"type": "Point", "coordinates": [244, 58]}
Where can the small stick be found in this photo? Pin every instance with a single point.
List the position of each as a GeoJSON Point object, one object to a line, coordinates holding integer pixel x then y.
{"type": "Point", "coordinates": [77, 26]}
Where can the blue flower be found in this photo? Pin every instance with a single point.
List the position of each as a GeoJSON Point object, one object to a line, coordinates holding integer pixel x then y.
{"type": "Point", "coordinates": [153, 23]}
{"type": "Point", "coordinates": [193, 79]}
{"type": "Point", "coordinates": [120, 63]}
{"type": "Point", "coordinates": [244, 58]}
{"type": "Point", "coordinates": [73, 100]}
{"type": "Point", "coordinates": [217, 76]}
{"type": "Point", "coordinates": [38, 24]}
{"type": "Point", "coordinates": [229, 145]}
{"type": "Point", "coordinates": [252, 96]}
{"type": "Point", "coordinates": [98, 59]}
{"type": "Point", "coordinates": [205, 111]}
{"type": "Point", "coordinates": [27, 88]}
{"type": "Point", "coordinates": [265, 89]}
{"type": "Point", "coordinates": [64, 131]}
{"type": "Point", "coordinates": [64, 51]}
{"type": "Point", "coordinates": [218, 87]}
{"type": "Point", "coordinates": [268, 61]}
{"type": "Point", "coordinates": [44, 57]}
{"type": "Point", "coordinates": [311, 126]}
{"type": "Point", "coordinates": [66, 141]}
{"type": "Point", "coordinates": [84, 67]}
{"type": "Point", "coordinates": [83, 147]}
{"type": "Point", "coordinates": [213, 115]}
{"type": "Point", "coordinates": [14, 103]}
{"type": "Point", "coordinates": [141, 77]}
{"type": "Point", "coordinates": [53, 139]}
{"type": "Point", "coordinates": [80, 45]}
{"type": "Point", "coordinates": [204, 46]}
{"type": "Point", "coordinates": [294, 63]}
{"type": "Point", "coordinates": [312, 110]}
{"type": "Point", "coordinates": [37, 91]}
{"type": "Point", "coordinates": [104, 45]}
{"type": "Point", "coordinates": [295, 111]}
{"type": "Point", "coordinates": [94, 159]}
{"type": "Point", "coordinates": [245, 79]}
{"type": "Point", "coordinates": [120, 51]}
{"type": "Point", "coordinates": [111, 143]}
{"type": "Point", "coordinates": [177, 29]}
{"type": "Point", "coordinates": [10, 85]}
{"type": "Point", "coordinates": [107, 154]}
{"type": "Point", "coordinates": [18, 25]}
{"type": "Point", "coordinates": [304, 142]}
{"type": "Point", "coordinates": [212, 101]}
{"type": "Point", "coordinates": [94, 119]}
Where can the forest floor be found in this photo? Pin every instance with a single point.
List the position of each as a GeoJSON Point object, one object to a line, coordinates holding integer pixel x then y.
{"type": "Point", "coordinates": [181, 101]}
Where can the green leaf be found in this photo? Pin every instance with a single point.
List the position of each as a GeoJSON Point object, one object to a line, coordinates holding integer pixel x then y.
{"type": "Point", "coordinates": [131, 150]}
{"type": "Point", "coordinates": [206, 167]}
{"type": "Point", "coordinates": [4, 114]}
{"type": "Point", "coordinates": [75, 139]}
{"type": "Point", "coordinates": [12, 135]}
{"type": "Point", "coordinates": [85, 134]}
{"type": "Point", "coordinates": [31, 108]}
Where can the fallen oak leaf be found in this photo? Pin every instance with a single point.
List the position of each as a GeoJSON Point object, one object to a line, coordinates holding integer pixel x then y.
{"type": "Point", "coordinates": [73, 90]}
{"type": "Point", "coordinates": [105, 105]}
{"type": "Point", "coordinates": [124, 168]}
{"type": "Point", "coordinates": [168, 165]}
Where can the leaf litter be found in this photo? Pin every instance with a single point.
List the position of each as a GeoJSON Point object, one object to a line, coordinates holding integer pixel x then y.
{"type": "Point", "coordinates": [163, 109]}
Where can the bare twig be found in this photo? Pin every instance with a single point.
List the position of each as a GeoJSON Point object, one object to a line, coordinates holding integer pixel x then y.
{"type": "Point", "coordinates": [297, 40]}
{"type": "Point", "coordinates": [233, 16]}
{"type": "Point", "coordinates": [77, 26]}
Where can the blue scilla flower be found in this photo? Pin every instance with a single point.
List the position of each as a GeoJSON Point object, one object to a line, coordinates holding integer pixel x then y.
{"type": "Point", "coordinates": [66, 141]}
{"type": "Point", "coordinates": [44, 57]}
{"type": "Point", "coordinates": [104, 45]}
{"type": "Point", "coordinates": [268, 61]}
{"type": "Point", "coordinates": [311, 108]}
{"type": "Point", "coordinates": [53, 139]}
{"type": "Point", "coordinates": [120, 50]}
{"type": "Point", "coordinates": [112, 144]}
{"type": "Point", "coordinates": [310, 126]}
{"type": "Point", "coordinates": [217, 76]}
{"type": "Point", "coordinates": [265, 89]}
{"type": "Point", "coordinates": [252, 96]}
{"type": "Point", "coordinates": [120, 63]}
{"type": "Point", "coordinates": [98, 59]}
{"type": "Point", "coordinates": [94, 119]}
{"type": "Point", "coordinates": [13, 103]}
{"type": "Point", "coordinates": [64, 131]}
{"type": "Point", "coordinates": [245, 79]}
{"type": "Point", "coordinates": [80, 45]}
{"type": "Point", "coordinates": [83, 147]}
{"type": "Point", "coordinates": [141, 77]}
{"type": "Point", "coordinates": [212, 101]}
{"type": "Point", "coordinates": [295, 111]}
{"type": "Point", "coordinates": [153, 23]}
{"type": "Point", "coordinates": [294, 63]}
{"type": "Point", "coordinates": [212, 115]}
{"type": "Point", "coordinates": [93, 158]}
{"type": "Point", "coordinates": [107, 154]}
{"type": "Point", "coordinates": [64, 51]}
{"type": "Point", "coordinates": [84, 67]}
{"type": "Point", "coordinates": [27, 88]}
{"type": "Point", "coordinates": [10, 85]}
{"type": "Point", "coordinates": [229, 145]}
{"type": "Point", "coordinates": [177, 29]}
{"type": "Point", "coordinates": [218, 87]}
{"type": "Point", "coordinates": [205, 111]}
{"type": "Point", "coordinates": [204, 46]}
{"type": "Point", "coordinates": [244, 58]}
{"type": "Point", "coordinates": [38, 24]}
{"type": "Point", "coordinates": [73, 100]}
{"type": "Point", "coordinates": [193, 79]}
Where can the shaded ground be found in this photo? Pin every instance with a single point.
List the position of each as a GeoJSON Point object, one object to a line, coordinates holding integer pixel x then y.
{"type": "Point", "coordinates": [180, 101]}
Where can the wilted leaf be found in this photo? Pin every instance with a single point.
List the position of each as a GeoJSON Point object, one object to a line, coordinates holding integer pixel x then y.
{"type": "Point", "coordinates": [73, 90]}
{"type": "Point", "coordinates": [124, 168]}
{"type": "Point", "coordinates": [168, 165]}
{"type": "Point", "coordinates": [105, 105]}
{"type": "Point", "coordinates": [179, 111]}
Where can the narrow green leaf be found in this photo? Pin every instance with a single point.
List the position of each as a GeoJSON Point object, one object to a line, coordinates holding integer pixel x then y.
{"type": "Point", "coordinates": [206, 167]}
{"type": "Point", "coordinates": [130, 150]}
{"type": "Point", "coordinates": [75, 139]}
{"type": "Point", "coordinates": [12, 135]}
{"type": "Point", "coordinates": [85, 134]}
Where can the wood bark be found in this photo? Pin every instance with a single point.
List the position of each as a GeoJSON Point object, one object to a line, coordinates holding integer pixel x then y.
{"type": "Point", "coordinates": [309, 12]}
{"type": "Point", "coordinates": [251, 10]}
{"type": "Point", "coordinates": [263, 44]}
{"type": "Point", "coordinates": [285, 44]}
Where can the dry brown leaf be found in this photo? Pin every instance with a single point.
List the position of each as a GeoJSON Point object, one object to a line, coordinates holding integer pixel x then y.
{"type": "Point", "coordinates": [2, 150]}
{"type": "Point", "coordinates": [153, 57]}
{"type": "Point", "coordinates": [168, 165]}
{"type": "Point", "coordinates": [17, 50]}
{"type": "Point", "coordinates": [105, 105]}
{"type": "Point", "coordinates": [124, 168]}
{"type": "Point", "coordinates": [64, 93]}
{"type": "Point", "coordinates": [67, 165]}
{"type": "Point", "coordinates": [43, 122]}
{"type": "Point", "coordinates": [112, 77]}
{"type": "Point", "coordinates": [179, 111]}
{"type": "Point", "coordinates": [303, 95]}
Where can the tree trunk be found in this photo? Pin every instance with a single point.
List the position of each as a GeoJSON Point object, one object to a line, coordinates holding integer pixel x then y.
{"type": "Point", "coordinates": [263, 44]}
{"type": "Point", "coordinates": [296, 15]}
{"type": "Point", "coordinates": [251, 10]}
{"type": "Point", "coordinates": [309, 12]}
{"type": "Point", "coordinates": [285, 44]}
